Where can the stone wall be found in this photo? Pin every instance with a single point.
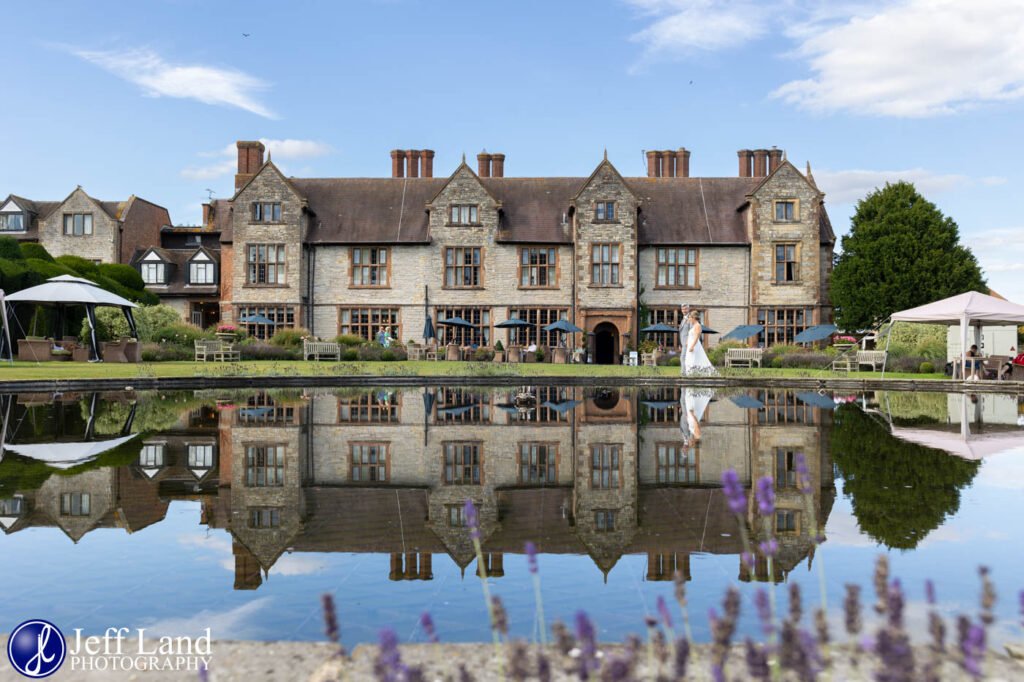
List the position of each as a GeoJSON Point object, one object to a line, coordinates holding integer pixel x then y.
{"type": "Point", "coordinates": [100, 246]}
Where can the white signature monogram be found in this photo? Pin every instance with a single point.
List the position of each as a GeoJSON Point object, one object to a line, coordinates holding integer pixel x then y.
{"type": "Point", "coordinates": [35, 664]}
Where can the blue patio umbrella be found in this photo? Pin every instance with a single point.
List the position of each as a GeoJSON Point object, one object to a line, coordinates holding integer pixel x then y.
{"type": "Point", "coordinates": [816, 333]}
{"type": "Point", "coordinates": [660, 404]}
{"type": "Point", "coordinates": [428, 329]}
{"type": "Point", "coordinates": [744, 331]}
{"type": "Point", "coordinates": [746, 402]}
{"type": "Point", "coordinates": [514, 323]}
{"type": "Point", "coordinates": [564, 326]}
{"type": "Point", "coordinates": [256, 319]}
{"type": "Point", "coordinates": [456, 322]}
{"type": "Point", "coordinates": [816, 400]}
{"type": "Point", "coordinates": [660, 327]}
{"type": "Point", "coordinates": [455, 411]}
{"type": "Point", "coordinates": [561, 406]}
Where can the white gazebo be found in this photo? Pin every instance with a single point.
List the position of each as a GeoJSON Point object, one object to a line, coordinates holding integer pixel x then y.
{"type": "Point", "coordinates": [969, 310]}
{"type": "Point", "coordinates": [61, 292]}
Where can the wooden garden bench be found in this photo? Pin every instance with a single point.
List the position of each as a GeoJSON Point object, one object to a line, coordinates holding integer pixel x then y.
{"type": "Point", "coordinates": [743, 357]}
{"type": "Point", "coordinates": [321, 350]}
{"type": "Point", "coordinates": [875, 358]}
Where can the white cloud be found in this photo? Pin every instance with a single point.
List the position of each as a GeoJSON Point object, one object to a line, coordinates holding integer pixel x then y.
{"type": "Point", "coordinates": [849, 186]}
{"type": "Point", "coordinates": [238, 623]}
{"type": "Point", "coordinates": [160, 78]}
{"type": "Point", "coordinates": [913, 58]}
{"type": "Point", "coordinates": [686, 25]}
{"type": "Point", "coordinates": [1000, 252]}
{"type": "Point", "coordinates": [286, 149]}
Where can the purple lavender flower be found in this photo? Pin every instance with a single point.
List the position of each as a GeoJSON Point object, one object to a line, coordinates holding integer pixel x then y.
{"type": "Point", "coordinates": [769, 547]}
{"type": "Point", "coordinates": [666, 617]}
{"type": "Point", "coordinates": [895, 603]}
{"type": "Point", "coordinates": [717, 673]}
{"type": "Point", "coordinates": [734, 493]}
{"type": "Point", "coordinates": [765, 494]}
{"type": "Point", "coordinates": [929, 592]}
{"type": "Point", "coordinates": [587, 639]}
{"type": "Point", "coordinates": [852, 609]}
{"type": "Point", "coordinates": [748, 559]}
{"type": "Point", "coordinates": [757, 662]}
{"type": "Point", "coordinates": [764, 611]}
{"type": "Point", "coordinates": [803, 475]}
{"type": "Point", "coordinates": [500, 615]}
{"type": "Point", "coordinates": [388, 665]}
{"type": "Point", "coordinates": [973, 648]}
{"type": "Point", "coordinates": [682, 657]}
{"type": "Point", "coordinates": [331, 628]}
{"type": "Point", "coordinates": [531, 557]}
{"type": "Point", "coordinates": [472, 520]}
{"type": "Point", "coordinates": [204, 673]}
{"type": "Point", "coordinates": [428, 627]}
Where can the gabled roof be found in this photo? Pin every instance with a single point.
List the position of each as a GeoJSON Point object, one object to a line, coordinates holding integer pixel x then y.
{"type": "Point", "coordinates": [604, 162]}
{"type": "Point", "coordinates": [178, 276]}
{"type": "Point", "coordinates": [534, 210]}
{"type": "Point", "coordinates": [692, 210]}
{"type": "Point", "coordinates": [267, 164]}
{"type": "Point", "coordinates": [451, 177]}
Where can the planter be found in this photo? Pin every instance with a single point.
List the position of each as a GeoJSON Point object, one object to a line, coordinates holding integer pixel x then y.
{"type": "Point", "coordinates": [499, 356]}
{"type": "Point", "coordinates": [452, 353]}
{"type": "Point", "coordinates": [34, 350]}
{"type": "Point", "coordinates": [81, 354]}
{"type": "Point", "coordinates": [560, 355]}
{"type": "Point", "coordinates": [514, 354]}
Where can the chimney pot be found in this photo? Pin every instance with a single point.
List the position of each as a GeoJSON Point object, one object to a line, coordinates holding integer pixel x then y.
{"type": "Point", "coordinates": [412, 160]}
{"type": "Point", "coordinates": [774, 159]}
{"type": "Point", "coordinates": [746, 157]}
{"type": "Point", "coordinates": [427, 156]}
{"type": "Point", "coordinates": [652, 164]}
{"type": "Point", "coordinates": [668, 164]}
{"type": "Point", "coordinates": [683, 163]}
{"type": "Point", "coordinates": [497, 165]}
{"type": "Point", "coordinates": [397, 163]}
{"type": "Point", "coordinates": [207, 215]}
{"type": "Point", "coordinates": [483, 164]}
{"type": "Point", "coordinates": [760, 163]}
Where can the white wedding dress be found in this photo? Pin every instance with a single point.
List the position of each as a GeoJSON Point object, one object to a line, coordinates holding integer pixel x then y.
{"type": "Point", "coordinates": [697, 363]}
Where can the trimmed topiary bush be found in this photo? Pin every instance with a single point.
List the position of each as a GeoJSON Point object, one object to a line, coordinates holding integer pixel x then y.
{"type": "Point", "coordinates": [125, 275]}
{"type": "Point", "coordinates": [37, 251]}
{"type": "Point", "coordinates": [387, 356]}
{"type": "Point", "coordinates": [81, 266]}
{"type": "Point", "coordinates": [47, 268]}
{"type": "Point", "coordinates": [926, 368]}
{"type": "Point", "coordinates": [350, 355]}
{"type": "Point", "coordinates": [10, 249]}
{"type": "Point", "coordinates": [673, 361]}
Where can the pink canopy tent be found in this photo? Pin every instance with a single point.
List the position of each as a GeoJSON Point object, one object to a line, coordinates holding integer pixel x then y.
{"type": "Point", "coordinates": [968, 310]}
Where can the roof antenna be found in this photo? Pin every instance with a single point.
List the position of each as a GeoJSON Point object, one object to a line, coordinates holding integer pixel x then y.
{"type": "Point", "coordinates": [209, 194]}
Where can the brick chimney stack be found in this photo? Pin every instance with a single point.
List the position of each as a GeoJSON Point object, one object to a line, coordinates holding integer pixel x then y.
{"type": "Point", "coordinates": [497, 165]}
{"type": "Point", "coordinates": [760, 163]}
{"type": "Point", "coordinates": [652, 164]}
{"type": "Point", "coordinates": [683, 162]}
{"type": "Point", "coordinates": [483, 164]}
{"type": "Point", "coordinates": [668, 164]}
{"type": "Point", "coordinates": [250, 160]}
{"type": "Point", "coordinates": [207, 215]}
{"type": "Point", "coordinates": [774, 159]}
{"type": "Point", "coordinates": [427, 157]}
{"type": "Point", "coordinates": [412, 163]}
{"type": "Point", "coordinates": [397, 163]}
{"type": "Point", "coordinates": [746, 162]}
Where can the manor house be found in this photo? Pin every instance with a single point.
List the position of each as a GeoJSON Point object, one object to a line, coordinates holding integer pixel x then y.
{"type": "Point", "coordinates": [607, 252]}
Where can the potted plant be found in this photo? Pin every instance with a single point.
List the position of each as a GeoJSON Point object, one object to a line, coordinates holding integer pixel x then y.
{"type": "Point", "coordinates": [227, 332]}
{"type": "Point", "coordinates": [499, 352]}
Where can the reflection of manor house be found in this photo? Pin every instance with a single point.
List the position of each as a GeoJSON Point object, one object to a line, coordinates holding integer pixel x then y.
{"type": "Point", "coordinates": [602, 474]}
{"type": "Point", "coordinates": [578, 471]}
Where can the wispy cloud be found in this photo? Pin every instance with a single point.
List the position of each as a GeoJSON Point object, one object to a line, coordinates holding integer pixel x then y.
{"type": "Point", "coordinates": [899, 58]}
{"type": "Point", "coordinates": [225, 163]}
{"type": "Point", "coordinates": [241, 622]}
{"type": "Point", "coordinates": [160, 78]}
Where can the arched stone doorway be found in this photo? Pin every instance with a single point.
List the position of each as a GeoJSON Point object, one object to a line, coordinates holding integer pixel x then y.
{"type": "Point", "coordinates": [606, 344]}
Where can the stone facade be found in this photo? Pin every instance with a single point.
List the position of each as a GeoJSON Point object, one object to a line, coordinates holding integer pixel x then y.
{"type": "Point", "coordinates": [736, 276]}
{"type": "Point", "coordinates": [101, 245]}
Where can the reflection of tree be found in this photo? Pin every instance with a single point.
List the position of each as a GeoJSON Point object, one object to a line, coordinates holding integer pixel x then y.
{"type": "Point", "coordinates": [900, 491]}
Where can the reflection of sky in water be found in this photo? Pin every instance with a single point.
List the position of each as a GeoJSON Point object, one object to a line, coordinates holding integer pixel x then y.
{"type": "Point", "coordinates": [176, 576]}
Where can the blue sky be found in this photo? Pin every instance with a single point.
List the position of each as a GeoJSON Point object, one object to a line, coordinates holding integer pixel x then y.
{"type": "Point", "coordinates": [147, 98]}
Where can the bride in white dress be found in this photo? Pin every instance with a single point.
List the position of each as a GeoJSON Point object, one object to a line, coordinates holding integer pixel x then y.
{"type": "Point", "coordinates": [697, 362]}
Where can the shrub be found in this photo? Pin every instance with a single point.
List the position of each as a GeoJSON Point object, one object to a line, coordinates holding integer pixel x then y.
{"type": "Point", "coordinates": [36, 251]}
{"type": "Point", "coordinates": [125, 275]}
{"type": "Point", "coordinates": [349, 340]}
{"type": "Point", "coordinates": [156, 352]}
{"type": "Point", "coordinates": [288, 338]}
{"type": "Point", "coordinates": [46, 268]}
{"type": "Point", "coordinates": [180, 334]}
{"type": "Point", "coordinates": [80, 266]}
{"type": "Point", "coordinates": [647, 346]}
{"type": "Point", "coordinates": [716, 354]}
{"type": "Point", "coordinates": [785, 349]}
{"type": "Point", "coordinates": [152, 318]}
{"type": "Point", "coordinates": [540, 355]}
{"type": "Point", "coordinates": [910, 364]}
{"type": "Point", "coordinates": [926, 368]}
{"type": "Point", "coordinates": [673, 361]}
{"type": "Point", "coordinates": [370, 352]}
{"type": "Point", "coordinates": [387, 356]}
{"type": "Point", "coordinates": [350, 355]}
{"type": "Point", "coordinates": [483, 355]}
{"type": "Point", "coordinates": [498, 347]}
{"type": "Point", "coordinates": [10, 249]}
{"type": "Point", "coordinates": [265, 351]}
{"type": "Point", "coordinates": [776, 363]}
{"type": "Point", "coordinates": [110, 325]}
{"type": "Point", "coordinates": [803, 360]}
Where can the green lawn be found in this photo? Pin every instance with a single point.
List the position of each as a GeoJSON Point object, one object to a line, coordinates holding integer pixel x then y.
{"type": "Point", "coordinates": [22, 371]}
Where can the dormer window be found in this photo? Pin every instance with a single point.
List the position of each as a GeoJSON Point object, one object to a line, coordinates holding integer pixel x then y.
{"type": "Point", "coordinates": [266, 212]}
{"type": "Point", "coordinates": [785, 211]}
{"type": "Point", "coordinates": [464, 214]}
{"type": "Point", "coordinates": [201, 270]}
{"type": "Point", "coordinates": [12, 222]}
{"type": "Point", "coordinates": [605, 210]}
{"type": "Point", "coordinates": [154, 273]}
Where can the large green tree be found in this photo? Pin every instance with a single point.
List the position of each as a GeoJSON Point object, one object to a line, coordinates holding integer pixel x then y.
{"type": "Point", "coordinates": [901, 252]}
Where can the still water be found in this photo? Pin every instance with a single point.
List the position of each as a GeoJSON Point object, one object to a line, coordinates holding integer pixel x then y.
{"type": "Point", "coordinates": [237, 510]}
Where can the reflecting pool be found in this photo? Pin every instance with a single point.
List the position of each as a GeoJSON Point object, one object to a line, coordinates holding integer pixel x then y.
{"type": "Point", "coordinates": [235, 510]}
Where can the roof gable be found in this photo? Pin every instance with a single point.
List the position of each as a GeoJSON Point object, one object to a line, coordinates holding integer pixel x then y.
{"type": "Point", "coordinates": [112, 209]}
{"type": "Point", "coordinates": [11, 206]}
{"type": "Point", "coordinates": [605, 164]}
{"type": "Point", "coordinates": [266, 167]}
{"type": "Point", "coordinates": [783, 169]}
{"type": "Point", "coordinates": [463, 171]}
